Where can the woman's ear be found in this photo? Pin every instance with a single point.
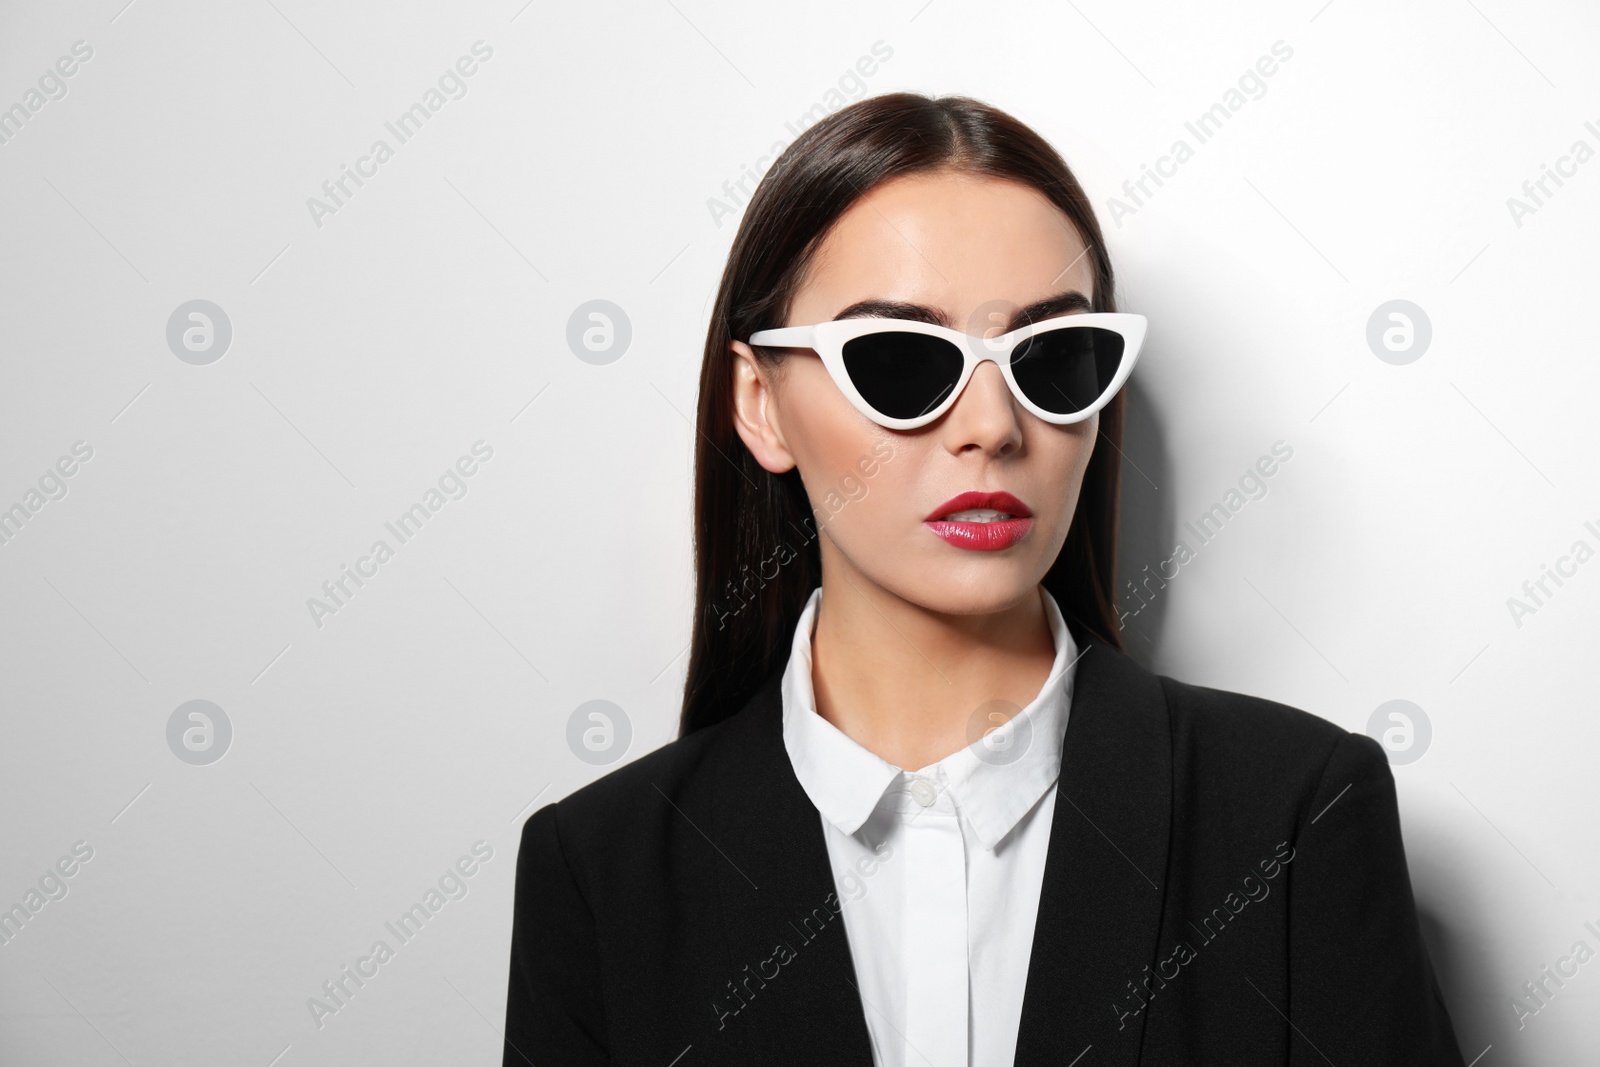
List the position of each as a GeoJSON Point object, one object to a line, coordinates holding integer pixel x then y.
{"type": "Point", "coordinates": [755, 410]}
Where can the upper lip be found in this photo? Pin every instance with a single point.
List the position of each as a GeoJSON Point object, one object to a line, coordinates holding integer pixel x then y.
{"type": "Point", "coordinates": [1001, 501]}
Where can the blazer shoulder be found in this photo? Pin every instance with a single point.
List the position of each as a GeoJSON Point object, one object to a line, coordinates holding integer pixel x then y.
{"type": "Point", "coordinates": [1223, 730]}
{"type": "Point", "coordinates": [621, 806]}
{"type": "Point", "coordinates": [1246, 718]}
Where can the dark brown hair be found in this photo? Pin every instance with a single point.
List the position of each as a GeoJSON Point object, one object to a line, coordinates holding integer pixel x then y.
{"type": "Point", "coordinates": [755, 537]}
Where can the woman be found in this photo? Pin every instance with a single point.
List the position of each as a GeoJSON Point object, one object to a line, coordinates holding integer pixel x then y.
{"type": "Point", "coordinates": [923, 810]}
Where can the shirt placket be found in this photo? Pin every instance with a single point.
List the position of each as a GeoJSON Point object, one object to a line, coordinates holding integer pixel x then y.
{"type": "Point", "coordinates": [936, 925]}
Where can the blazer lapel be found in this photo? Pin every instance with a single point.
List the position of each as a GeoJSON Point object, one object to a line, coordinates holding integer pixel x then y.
{"type": "Point", "coordinates": [792, 989]}
{"type": "Point", "coordinates": [1100, 905]}
{"type": "Point", "coordinates": [792, 980]}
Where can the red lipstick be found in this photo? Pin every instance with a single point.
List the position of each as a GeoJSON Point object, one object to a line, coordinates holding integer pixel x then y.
{"type": "Point", "coordinates": [986, 535]}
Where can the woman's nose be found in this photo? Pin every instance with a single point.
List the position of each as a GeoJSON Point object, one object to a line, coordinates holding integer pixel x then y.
{"type": "Point", "coordinates": [984, 415]}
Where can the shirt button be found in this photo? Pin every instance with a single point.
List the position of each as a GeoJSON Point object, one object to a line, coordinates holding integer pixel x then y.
{"type": "Point", "coordinates": [923, 791]}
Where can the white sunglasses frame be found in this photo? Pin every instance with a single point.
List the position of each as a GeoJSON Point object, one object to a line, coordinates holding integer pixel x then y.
{"type": "Point", "coordinates": [828, 339]}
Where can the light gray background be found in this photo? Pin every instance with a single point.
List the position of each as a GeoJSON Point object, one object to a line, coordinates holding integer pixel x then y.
{"type": "Point", "coordinates": [432, 309]}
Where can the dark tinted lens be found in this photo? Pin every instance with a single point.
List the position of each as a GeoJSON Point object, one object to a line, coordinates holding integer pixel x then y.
{"type": "Point", "coordinates": [1064, 371]}
{"type": "Point", "coordinates": [902, 374]}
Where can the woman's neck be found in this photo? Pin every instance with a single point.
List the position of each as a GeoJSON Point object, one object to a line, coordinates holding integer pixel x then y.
{"type": "Point", "coordinates": [912, 685]}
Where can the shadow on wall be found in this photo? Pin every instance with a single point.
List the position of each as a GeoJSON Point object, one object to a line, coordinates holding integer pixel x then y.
{"type": "Point", "coordinates": [1466, 983]}
{"type": "Point", "coordinates": [1145, 539]}
{"type": "Point", "coordinates": [1452, 972]}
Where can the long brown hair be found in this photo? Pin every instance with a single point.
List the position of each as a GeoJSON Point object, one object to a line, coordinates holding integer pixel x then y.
{"type": "Point", "coordinates": [755, 537]}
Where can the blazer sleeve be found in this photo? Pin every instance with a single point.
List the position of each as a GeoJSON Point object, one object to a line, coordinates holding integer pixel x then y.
{"type": "Point", "coordinates": [554, 1011]}
{"type": "Point", "coordinates": [1361, 986]}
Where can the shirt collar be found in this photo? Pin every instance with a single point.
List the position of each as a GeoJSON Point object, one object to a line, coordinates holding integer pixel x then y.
{"type": "Point", "coordinates": [995, 781]}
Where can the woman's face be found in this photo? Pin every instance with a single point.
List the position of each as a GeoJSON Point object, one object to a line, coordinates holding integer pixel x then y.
{"type": "Point", "coordinates": [975, 252]}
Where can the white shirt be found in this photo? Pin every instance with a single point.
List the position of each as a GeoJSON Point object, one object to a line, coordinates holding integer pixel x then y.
{"type": "Point", "coordinates": [938, 870]}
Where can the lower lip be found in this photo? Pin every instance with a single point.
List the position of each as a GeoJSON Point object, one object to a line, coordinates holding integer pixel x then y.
{"type": "Point", "coordinates": [981, 536]}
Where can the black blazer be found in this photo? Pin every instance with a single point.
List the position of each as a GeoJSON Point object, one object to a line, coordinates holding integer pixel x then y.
{"type": "Point", "coordinates": [1225, 884]}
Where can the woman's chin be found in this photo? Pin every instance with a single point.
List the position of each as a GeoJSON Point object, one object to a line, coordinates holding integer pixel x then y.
{"type": "Point", "coordinates": [974, 588]}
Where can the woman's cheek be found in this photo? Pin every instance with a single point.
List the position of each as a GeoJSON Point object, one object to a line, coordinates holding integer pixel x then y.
{"type": "Point", "coordinates": [864, 502]}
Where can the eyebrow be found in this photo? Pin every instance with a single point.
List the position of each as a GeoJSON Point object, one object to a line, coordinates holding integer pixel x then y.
{"type": "Point", "coordinates": [1060, 303]}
